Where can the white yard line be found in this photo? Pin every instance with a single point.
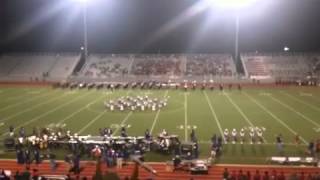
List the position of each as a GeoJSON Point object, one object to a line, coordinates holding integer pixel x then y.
{"type": "Point", "coordinates": [48, 112]}
{"type": "Point", "coordinates": [155, 120]}
{"type": "Point", "coordinates": [79, 110]}
{"type": "Point", "coordinates": [242, 113]}
{"type": "Point", "coordinates": [274, 116]}
{"type": "Point", "coordinates": [185, 118]}
{"type": "Point", "coordinates": [28, 100]}
{"type": "Point", "coordinates": [295, 111]}
{"type": "Point", "coordinates": [214, 115]}
{"type": "Point", "coordinates": [307, 104]}
{"type": "Point", "coordinates": [122, 122]}
{"type": "Point", "coordinates": [92, 121]}
{"type": "Point", "coordinates": [31, 108]}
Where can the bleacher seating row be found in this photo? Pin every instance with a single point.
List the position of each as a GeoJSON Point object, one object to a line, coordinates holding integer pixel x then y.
{"type": "Point", "coordinates": [60, 66]}
{"type": "Point", "coordinates": [281, 65]}
{"type": "Point", "coordinates": [37, 66]}
{"type": "Point", "coordinates": [103, 66]}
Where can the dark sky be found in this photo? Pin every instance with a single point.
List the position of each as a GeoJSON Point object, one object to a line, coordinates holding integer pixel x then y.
{"type": "Point", "coordinates": [132, 26]}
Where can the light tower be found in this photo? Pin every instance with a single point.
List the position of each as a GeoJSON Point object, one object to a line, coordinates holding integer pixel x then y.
{"type": "Point", "coordinates": [234, 6]}
{"type": "Point", "coordinates": [84, 47]}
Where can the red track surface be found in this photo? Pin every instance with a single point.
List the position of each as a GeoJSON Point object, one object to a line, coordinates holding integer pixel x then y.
{"type": "Point", "coordinates": [215, 172]}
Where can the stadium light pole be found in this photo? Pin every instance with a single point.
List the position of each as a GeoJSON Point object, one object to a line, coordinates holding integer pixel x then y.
{"type": "Point", "coordinates": [236, 43]}
{"type": "Point", "coordinates": [235, 6]}
{"type": "Point", "coordinates": [85, 28]}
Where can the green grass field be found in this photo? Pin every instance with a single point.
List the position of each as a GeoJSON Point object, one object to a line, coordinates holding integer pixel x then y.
{"type": "Point", "coordinates": [280, 110]}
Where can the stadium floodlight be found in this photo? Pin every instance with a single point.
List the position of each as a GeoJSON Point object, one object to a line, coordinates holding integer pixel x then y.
{"type": "Point", "coordinates": [231, 4]}
{"type": "Point", "coordinates": [82, 1]}
{"type": "Point", "coordinates": [286, 48]}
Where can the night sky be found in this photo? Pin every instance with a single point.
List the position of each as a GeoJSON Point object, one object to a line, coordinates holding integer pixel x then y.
{"type": "Point", "coordinates": [133, 26]}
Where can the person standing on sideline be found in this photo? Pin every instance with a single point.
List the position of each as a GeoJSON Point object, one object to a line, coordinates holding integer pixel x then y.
{"type": "Point", "coordinates": [279, 144]}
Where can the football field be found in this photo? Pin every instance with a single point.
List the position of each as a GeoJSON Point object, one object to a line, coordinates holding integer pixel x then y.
{"type": "Point", "coordinates": [287, 110]}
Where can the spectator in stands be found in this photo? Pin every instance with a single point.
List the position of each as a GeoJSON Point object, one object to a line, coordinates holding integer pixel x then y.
{"type": "Point", "coordinates": [257, 175]}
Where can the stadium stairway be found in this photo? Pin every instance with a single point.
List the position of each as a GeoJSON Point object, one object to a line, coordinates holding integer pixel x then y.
{"type": "Point", "coordinates": [215, 172]}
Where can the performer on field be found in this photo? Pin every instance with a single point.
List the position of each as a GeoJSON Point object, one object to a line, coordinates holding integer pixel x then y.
{"type": "Point", "coordinates": [242, 136]}
{"type": "Point", "coordinates": [226, 135]}
{"type": "Point", "coordinates": [234, 136]}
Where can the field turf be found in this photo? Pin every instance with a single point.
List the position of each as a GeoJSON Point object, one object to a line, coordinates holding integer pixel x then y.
{"type": "Point", "coordinates": [286, 110]}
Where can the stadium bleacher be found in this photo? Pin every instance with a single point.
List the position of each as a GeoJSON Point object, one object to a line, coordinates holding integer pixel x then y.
{"type": "Point", "coordinates": [104, 66]}
{"type": "Point", "coordinates": [25, 67]}
{"type": "Point", "coordinates": [281, 65]}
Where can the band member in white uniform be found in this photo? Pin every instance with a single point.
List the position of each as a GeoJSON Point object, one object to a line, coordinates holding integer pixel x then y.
{"type": "Point", "coordinates": [242, 136]}
{"type": "Point", "coordinates": [226, 135]}
{"type": "Point", "coordinates": [234, 136]}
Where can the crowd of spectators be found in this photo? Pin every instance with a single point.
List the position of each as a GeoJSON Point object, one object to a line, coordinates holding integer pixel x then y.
{"type": "Point", "coordinates": [208, 64]}
{"type": "Point", "coordinates": [157, 65]}
{"type": "Point", "coordinates": [102, 66]}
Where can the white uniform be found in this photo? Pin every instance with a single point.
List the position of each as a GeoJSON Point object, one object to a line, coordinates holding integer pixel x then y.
{"type": "Point", "coordinates": [226, 134]}
{"type": "Point", "coordinates": [252, 136]}
{"type": "Point", "coordinates": [259, 133]}
{"type": "Point", "coordinates": [242, 134]}
{"type": "Point", "coordinates": [234, 136]}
